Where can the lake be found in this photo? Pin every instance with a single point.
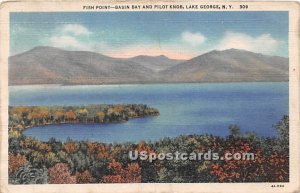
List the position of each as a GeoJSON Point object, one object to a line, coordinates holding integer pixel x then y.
{"type": "Point", "coordinates": [206, 108]}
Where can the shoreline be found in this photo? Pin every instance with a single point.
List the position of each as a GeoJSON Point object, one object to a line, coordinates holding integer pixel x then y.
{"type": "Point", "coordinates": [81, 123]}
{"type": "Point", "coordinates": [25, 117]}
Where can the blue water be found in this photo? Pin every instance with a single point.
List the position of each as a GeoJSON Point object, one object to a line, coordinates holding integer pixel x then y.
{"type": "Point", "coordinates": [184, 109]}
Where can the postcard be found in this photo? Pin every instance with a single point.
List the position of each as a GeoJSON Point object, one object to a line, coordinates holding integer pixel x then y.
{"type": "Point", "coordinates": [149, 96]}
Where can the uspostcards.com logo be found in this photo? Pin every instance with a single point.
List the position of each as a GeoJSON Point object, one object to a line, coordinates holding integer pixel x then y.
{"type": "Point", "coordinates": [202, 156]}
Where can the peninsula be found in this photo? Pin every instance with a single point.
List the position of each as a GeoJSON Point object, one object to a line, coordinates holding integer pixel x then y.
{"type": "Point", "coordinates": [22, 117]}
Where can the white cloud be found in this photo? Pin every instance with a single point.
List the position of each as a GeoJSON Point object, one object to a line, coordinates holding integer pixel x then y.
{"type": "Point", "coordinates": [194, 39]}
{"type": "Point", "coordinates": [67, 37]}
{"type": "Point", "coordinates": [264, 43]}
{"type": "Point", "coordinates": [76, 29]}
{"type": "Point", "coordinates": [68, 42]}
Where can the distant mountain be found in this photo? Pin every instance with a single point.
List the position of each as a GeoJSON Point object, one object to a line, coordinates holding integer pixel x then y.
{"type": "Point", "coordinates": [231, 65]}
{"type": "Point", "coordinates": [155, 63]}
{"type": "Point", "coordinates": [49, 65]}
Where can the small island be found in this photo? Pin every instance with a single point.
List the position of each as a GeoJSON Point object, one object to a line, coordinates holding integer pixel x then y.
{"type": "Point", "coordinates": [22, 117]}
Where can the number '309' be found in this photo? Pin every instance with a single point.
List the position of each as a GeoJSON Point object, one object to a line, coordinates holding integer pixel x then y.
{"type": "Point", "coordinates": [243, 6]}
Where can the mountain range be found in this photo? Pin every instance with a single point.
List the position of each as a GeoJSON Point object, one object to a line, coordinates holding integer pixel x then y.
{"type": "Point", "coordinates": [50, 65]}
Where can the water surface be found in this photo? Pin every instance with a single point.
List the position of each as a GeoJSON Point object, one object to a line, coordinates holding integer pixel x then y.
{"type": "Point", "coordinates": [184, 109]}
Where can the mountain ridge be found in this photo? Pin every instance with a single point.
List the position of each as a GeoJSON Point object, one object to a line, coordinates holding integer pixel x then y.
{"type": "Point", "coordinates": [50, 65]}
{"type": "Point", "coordinates": [232, 65]}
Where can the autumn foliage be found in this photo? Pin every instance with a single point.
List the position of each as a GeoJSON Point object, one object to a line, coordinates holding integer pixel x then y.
{"type": "Point", "coordinates": [70, 147]}
{"type": "Point", "coordinates": [21, 117]}
{"type": "Point", "coordinates": [84, 177]}
{"type": "Point", "coordinates": [60, 174]}
{"type": "Point", "coordinates": [142, 146]}
{"type": "Point", "coordinates": [239, 170]}
{"type": "Point", "coordinates": [131, 174]}
{"type": "Point", "coordinates": [82, 162]}
{"type": "Point", "coordinates": [278, 167]}
{"type": "Point", "coordinates": [15, 162]}
{"type": "Point", "coordinates": [71, 116]}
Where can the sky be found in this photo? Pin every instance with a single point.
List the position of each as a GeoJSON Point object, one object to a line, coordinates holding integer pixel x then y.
{"type": "Point", "coordinates": [177, 35]}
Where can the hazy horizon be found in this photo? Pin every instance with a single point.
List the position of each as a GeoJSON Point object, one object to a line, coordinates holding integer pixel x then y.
{"type": "Point", "coordinates": [143, 54]}
{"type": "Point", "coordinates": [177, 35]}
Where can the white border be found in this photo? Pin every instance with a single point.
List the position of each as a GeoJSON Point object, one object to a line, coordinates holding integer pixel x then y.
{"type": "Point", "coordinates": [67, 6]}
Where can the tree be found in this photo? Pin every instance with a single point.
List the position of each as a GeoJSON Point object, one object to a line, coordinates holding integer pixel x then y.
{"type": "Point", "coordinates": [28, 174]}
{"type": "Point", "coordinates": [142, 146]}
{"type": "Point", "coordinates": [36, 115]}
{"type": "Point", "coordinates": [234, 130]}
{"type": "Point", "coordinates": [118, 108]}
{"type": "Point", "coordinates": [84, 177]}
{"type": "Point", "coordinates": [71, 116]}
{"type": "Point", "coordinates": [82, 115]}
{"type": "Point", "coordinates": [44, 148]}
{"type": "Point", "coordinates": [282, 128]}
{"type": "Point", "coordinates": [59, 116]}
{"type": "Point", "coordinates": [70, 147]}
{"type": "Point", "coordinates": [60, 174]}
{"type": "Point", "coordinates": [15, 162]}
{"type": "Point", "coordinates": [131, 174]}
{"type": "Point", "coordinates": [277, 167]}
{"type": "Point", "coordinates": [101, 116]}
{"type": "Point", "coordinates": [102, 152]}
{"type": "Point", "coordinates": [44, 114]}
{"type": "Point", "coordinates": [50, 159]}
{"type": "Point", "coordinates": [242, 170]}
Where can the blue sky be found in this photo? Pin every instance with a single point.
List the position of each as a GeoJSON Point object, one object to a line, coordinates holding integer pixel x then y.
{"type": "Point", "coordinates": [175, 34]}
